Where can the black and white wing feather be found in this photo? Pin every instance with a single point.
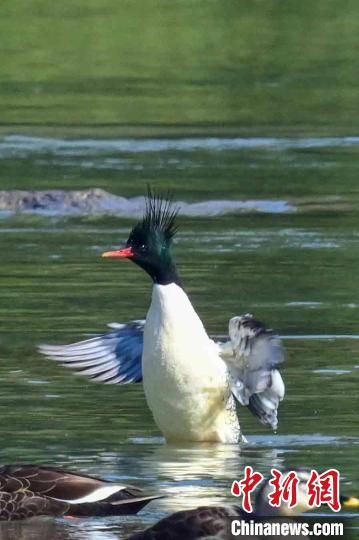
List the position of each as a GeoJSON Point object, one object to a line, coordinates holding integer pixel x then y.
{"type": "Point", "coordinates": [253, 355]}
{"type": "Point", "coordinates": [114, 357]}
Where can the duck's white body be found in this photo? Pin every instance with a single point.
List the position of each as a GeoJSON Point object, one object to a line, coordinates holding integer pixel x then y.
{"type": "Point", "coordinates": [185, 380]}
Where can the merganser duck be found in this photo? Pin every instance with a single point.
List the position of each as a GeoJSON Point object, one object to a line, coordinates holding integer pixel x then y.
{"type": "Point", "coordinates": [190, 381]}
{"type": "Point", "coordinates": [31, 490]}
{"type": "Point", "coordinates": [213, 522]}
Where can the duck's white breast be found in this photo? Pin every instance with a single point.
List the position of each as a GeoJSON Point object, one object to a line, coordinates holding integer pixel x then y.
{"type": "Point", "coordinates": [185, 380]}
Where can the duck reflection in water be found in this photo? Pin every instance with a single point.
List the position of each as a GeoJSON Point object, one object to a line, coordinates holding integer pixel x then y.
{"type": "Point", "coordinates": [189, 475]}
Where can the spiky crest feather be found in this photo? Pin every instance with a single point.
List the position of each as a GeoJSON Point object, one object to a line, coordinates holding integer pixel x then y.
{"type": "Point", "coordinates": [160, 215]}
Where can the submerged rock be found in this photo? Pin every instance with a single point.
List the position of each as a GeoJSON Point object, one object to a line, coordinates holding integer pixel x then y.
{"type": "Point", "coordinates": [99, 201]}
{"type": "Point", "coordinates": [57, 201]}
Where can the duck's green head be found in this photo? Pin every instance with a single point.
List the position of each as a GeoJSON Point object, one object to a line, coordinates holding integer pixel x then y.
{"type": "Point", "coordinates": [149, 242]}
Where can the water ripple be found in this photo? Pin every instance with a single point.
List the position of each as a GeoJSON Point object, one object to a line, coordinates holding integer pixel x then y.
{"type": "Point", "coordinates": [20, 144]}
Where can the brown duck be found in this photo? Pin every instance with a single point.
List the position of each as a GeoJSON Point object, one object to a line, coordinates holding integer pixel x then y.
{"type": "Point", "coordinates": [31, 490]}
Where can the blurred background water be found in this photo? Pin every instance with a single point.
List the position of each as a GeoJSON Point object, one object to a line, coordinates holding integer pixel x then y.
{"type": "Point", "coordinates": [216, 101]}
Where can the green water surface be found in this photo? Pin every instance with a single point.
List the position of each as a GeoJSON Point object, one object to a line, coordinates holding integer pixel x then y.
{"type": "Point", "coordinates": [102, 71]}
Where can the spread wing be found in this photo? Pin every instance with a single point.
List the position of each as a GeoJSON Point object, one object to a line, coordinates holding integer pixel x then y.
{"type": "Point", "coordinates": [253, 355]}
{"type": "Point", "coordinates": [114, 357]}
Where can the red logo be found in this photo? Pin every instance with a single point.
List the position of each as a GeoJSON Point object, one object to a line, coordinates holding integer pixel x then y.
{"type": "Point", "coordinates": [246, 486]}
{"type": "Point", "coordinates": [324, 489]}
{"type": "Point", "coordinates": [285, 488]}
{"type": "Point", "coordinates": [321, 488]}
